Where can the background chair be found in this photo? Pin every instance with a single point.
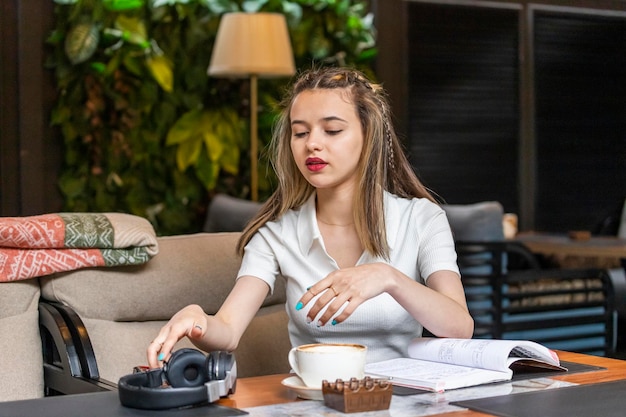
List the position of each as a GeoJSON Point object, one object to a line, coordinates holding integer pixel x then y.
{"type": "Point", "coordinates": [229, 214]}
{"type": "Point", "coordinates": [567, 309]}
{"type": "Point", "coordinates": [480, 221]}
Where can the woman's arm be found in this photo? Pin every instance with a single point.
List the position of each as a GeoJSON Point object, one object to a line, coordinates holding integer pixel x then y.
{"type": "Point", "coordinates": [439, 306]}
{"type": "Point", "coordinates": [219, 332]}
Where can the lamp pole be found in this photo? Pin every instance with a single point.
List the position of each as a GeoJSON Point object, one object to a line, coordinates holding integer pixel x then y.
{"type": "Point", "coordinates": [254, 140]}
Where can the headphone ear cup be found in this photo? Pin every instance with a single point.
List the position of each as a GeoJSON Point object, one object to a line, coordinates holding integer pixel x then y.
{"type": "Point", "coordinates": [186, 368]}
{"type": "Point", "coordinates": [218, 363]}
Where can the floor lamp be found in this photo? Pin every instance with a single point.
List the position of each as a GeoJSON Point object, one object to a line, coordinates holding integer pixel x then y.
{"type": "Point", "coordinates": [252, 45]}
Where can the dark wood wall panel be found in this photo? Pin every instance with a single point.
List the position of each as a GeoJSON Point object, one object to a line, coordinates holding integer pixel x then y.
{"type": "Point", "coordinates": [31, 148]}
{"type": "Point", "coordinates": [9, 150]}
{"type": "Point", "coordinates": [580, 73]}
{"type": "Point", "coordinates": [523, 102]}
{"type": "Point", "coordinates": [463, 101]}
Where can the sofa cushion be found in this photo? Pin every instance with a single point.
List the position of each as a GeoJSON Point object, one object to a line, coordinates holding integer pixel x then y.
{"type": "Point", "coordinates": [189, 269]}
{"type": "Point", "coordinates": [21, 360]}
{"type": "Point", "coordinates": [18, 297]}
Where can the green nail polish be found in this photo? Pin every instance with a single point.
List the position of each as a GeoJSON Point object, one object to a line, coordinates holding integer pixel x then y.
{"type": "Point", "coordinates": [299, 306]}
{"type": "Point", "coordinates": [334, 322]}
{"type": "Point", "coordinates": [161, 356]}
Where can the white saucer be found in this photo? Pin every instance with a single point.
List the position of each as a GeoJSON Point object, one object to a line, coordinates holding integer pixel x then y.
{"type": "Point", "coordinates": [295, 384]}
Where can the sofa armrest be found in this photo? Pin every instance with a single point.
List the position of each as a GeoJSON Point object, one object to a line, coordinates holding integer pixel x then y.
{"type": "Point", "coordinates": [69, 362]}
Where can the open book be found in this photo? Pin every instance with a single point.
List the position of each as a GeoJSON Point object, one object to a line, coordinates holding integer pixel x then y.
{"type": "Point", "coordinates": [438, 364]}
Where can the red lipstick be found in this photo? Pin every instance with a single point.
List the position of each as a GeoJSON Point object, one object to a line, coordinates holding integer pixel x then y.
{"type": "Point", "coordinates": [315, 164]}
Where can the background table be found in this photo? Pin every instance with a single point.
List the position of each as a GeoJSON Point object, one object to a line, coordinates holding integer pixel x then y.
{"type": "Point", "coordinates": [597, 251]}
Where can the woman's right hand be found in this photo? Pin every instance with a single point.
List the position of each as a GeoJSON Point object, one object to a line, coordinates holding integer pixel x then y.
{"type": "Point", "coordinates": [191, 321]}
{"type": "Point", "coordinates": [226, 326]}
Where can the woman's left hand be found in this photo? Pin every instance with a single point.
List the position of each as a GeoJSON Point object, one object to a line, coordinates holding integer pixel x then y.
{"type": "Point", "coordinates": [439, 306]}
{"type": "Point", "coordinates": [349, 286]}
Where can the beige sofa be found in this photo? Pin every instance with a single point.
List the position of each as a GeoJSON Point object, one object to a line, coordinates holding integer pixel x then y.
{"type": "Point", "coordinates": [20, 346]}
{"type": "Point", "coordinates": [122, 309]}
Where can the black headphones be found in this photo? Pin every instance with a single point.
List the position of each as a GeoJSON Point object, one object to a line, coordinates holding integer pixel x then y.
{"type": "Point", "coordinates": [187, 378]}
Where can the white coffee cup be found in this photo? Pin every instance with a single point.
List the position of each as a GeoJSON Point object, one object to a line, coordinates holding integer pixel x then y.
{"type": "Point", "coordinates": [328, 361]}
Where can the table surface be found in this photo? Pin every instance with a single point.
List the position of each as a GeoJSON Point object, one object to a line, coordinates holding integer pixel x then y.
{"type": "Point", "coordinates": [267, 390]}
{"type": "Point", "coordinates": [555, 244]}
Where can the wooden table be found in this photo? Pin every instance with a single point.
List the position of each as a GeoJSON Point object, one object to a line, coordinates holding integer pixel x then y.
{"type": "Point", "coordinates": [266, 390]}
{"type": "Point", "coordinates": [597, 251]}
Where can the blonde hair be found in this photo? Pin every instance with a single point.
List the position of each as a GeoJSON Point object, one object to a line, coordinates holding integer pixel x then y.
{"type": "Point", "coordinates": [383, 164]}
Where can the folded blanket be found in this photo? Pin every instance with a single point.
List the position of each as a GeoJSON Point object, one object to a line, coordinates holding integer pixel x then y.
{"type": "Point", "coordinates": [41, 245]}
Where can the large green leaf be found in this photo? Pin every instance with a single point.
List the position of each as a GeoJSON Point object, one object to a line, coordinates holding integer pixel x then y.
{"type": "Point", "coordinates": [230, 159]}
{"type": "Point", "coordinates": [214, 145]}
{"type": "Point", "coordinates": [81, 42]}
{"type": "Point", "coordinates": [185, 128]}
{"type": "Point", "coordinates": [162, 71]}
{"type": "Point", "coordinates": [133, 30]}
{"type": "Point", "coordinates": [188, 152]}
{"type": "Point", "coordinates": [207, 172]}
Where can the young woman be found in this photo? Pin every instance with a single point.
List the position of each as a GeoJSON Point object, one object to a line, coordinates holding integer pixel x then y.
{"type": "Point", "coordinates": [367, 254]}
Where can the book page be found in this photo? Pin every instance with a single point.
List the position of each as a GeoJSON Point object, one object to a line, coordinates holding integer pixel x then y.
{"type": "Point", "coordinates": [433, 376]}
{"type": "Point", "coordinates": [479, 353]}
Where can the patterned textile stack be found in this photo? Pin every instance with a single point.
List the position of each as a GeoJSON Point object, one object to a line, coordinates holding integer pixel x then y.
{"type": "Point", "coordinates": [41, 245]}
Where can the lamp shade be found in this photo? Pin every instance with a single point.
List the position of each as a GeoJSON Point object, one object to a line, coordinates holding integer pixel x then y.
{"type": "Point", "coordinates": [252, 44]}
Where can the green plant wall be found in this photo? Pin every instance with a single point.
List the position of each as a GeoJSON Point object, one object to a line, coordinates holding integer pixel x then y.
{"type": "Point", "coordinates": [145, 130]}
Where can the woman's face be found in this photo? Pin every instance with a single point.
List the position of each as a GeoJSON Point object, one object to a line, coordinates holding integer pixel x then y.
{"type": "Point", "coordinates": [326, 138]}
